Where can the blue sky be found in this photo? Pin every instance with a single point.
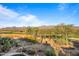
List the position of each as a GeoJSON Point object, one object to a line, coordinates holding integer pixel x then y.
{"type": "Point", "coordinates": [37, 14]}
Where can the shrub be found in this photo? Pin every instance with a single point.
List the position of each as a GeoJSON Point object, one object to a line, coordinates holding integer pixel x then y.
{"type": "Point", "coordinates": [50, 52]}
{"type": "Point", "coordinates": [7, 43]}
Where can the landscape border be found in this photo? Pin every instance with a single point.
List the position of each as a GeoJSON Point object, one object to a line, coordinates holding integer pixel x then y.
{"type": "Point", "coordinates": [39, 1]}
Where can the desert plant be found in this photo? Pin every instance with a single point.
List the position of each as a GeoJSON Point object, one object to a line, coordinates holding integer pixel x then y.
{"type": "Point", "coordinates": [50, 52]}
{"type": "Point", "coordinates": [7, 43]}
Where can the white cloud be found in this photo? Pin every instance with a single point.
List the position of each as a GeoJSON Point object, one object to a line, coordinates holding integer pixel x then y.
{"type": "Point", "coordinates": [62, 6]}
{"type": "Point", "coordinates": [30, 20]}
{"type": "Point", "coordinates": [75, 10]}
{"type": "Point", "coordinates": [28, 17]}
{"type": "Point", "coordinates": [9, 17]}
{"type": "Point", "coordinates": [7, 12]}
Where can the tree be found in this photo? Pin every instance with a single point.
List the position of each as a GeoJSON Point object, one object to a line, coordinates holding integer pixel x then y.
{"type": "Point", "coordinates": [29, 30]}
{"type": "Point", "coordinates": [63, 31]}
{"type": "Point", "coordinates": [35, 32]}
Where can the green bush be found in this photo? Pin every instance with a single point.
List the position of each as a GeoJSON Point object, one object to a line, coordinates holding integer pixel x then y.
{"type": "Point", "coordinates": [50, 53]}
{"type": "Point", "coordinates": [7, 43]}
